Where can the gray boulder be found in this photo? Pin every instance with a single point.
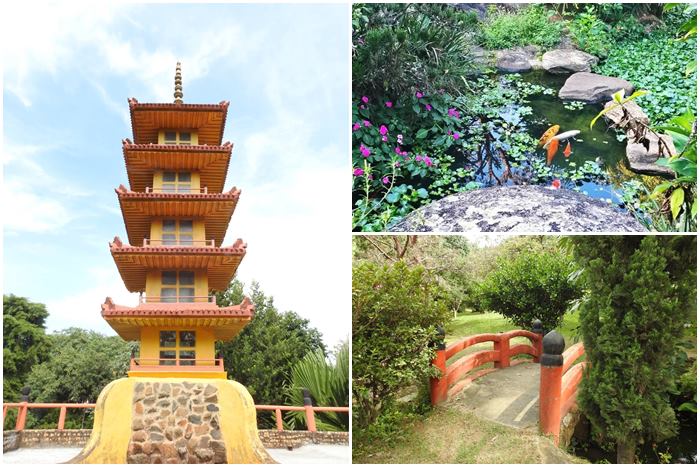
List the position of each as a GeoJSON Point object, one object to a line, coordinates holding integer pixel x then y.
{"type": "Point", "coordinates": [592, 88]}
{"type": "Point", "coordinates": [642, 155]}
{"type": "Point", "coordinates": [525, 208]}
{"type": "Point", "coordinates": [517, 59]}
{"type": "Point", "coordinates": [634, 112]}
{"type": "Point", "coordinates": [563, 61]}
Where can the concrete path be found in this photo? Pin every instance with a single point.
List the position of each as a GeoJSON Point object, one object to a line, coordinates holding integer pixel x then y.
{"type": "Point", "coordinates": [309, 454]}
{"type": "Point", "coordinates": [509, 396]}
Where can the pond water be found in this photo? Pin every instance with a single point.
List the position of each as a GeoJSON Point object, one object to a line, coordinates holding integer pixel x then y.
{"type": "Point", "coordinates": [599, 144]}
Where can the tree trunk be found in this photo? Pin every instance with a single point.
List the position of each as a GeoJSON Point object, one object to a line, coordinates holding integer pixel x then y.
{"type": "Point", "coordinates": [625, 451]}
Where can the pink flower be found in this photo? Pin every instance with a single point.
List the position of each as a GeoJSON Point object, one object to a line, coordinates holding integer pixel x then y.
{"type": "Point", "coordinates": [419, 94]}
{"type": "Point", "coordinates": [383, 130]}
{"type": "Point", "coordinates": [397, 164]}
{"type": "Point", "coordinates": [556, 184]}
{"type": "Point", "coordinates": [397, 150]}
{"type": "Point", "coordinates": [419, 158]}
{"type": "Point", "coordinates": [365, 150]}
{"type": "Point", "coordinates": [385, 180]}
{"type": "Point", "coordinates": [389, 104]}
{"type": "Point", "coordinates": [405, 153]}
{"type": "Point", "coordinates": [358, 172]}
{"type": "Point", "coordinates": [366, 123]}
{"type": "Point", "coordinates": [455, 135]}
{"type": "Point", "coordinates": [365, 99]}
{"type": "Point", "coordinates": [453, 113]}
{"type": "Point", "coordinates": [428, 107]}
{"type": "Point", "coordinates": [427, 161]}
{"type": "Point", "coordinates": [399, 139]}
{"type": "Point", "coordinates": [355, 126]}
{"type": "Point", "coordinates": [385, 139]}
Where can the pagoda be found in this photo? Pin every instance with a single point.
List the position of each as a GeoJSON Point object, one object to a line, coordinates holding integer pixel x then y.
{"type": "Point", "coordinates": [176, 214]}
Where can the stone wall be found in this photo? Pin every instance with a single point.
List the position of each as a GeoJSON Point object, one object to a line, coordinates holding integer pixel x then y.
{"type": "Point", "coordinates": [175, 423]}
{"type": "Point", "coordinates": [50, 438]}
{"type": "Point", "coordinates": [273, 439]}
{"type": "Point", "coordinates": [11, 440]}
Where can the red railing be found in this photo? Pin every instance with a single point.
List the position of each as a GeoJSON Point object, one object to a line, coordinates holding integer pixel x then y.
{"type": "Point", "coordinates": [452, 378]}
{"type": "Point", "coordinates": [23, 408]}
{"type": "Point", "coordinates": [178, 243]}
{"type": "Point", "coordinates": [180, 364]}
{"type": "Point", "coordinates": [559, 381]}
{"type": "Point", "coordinates": [178, 299]}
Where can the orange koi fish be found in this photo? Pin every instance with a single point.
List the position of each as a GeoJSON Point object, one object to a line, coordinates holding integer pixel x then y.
{"type": "Point", "coordinates": [547, 135]}
{"type": "Point", "coordinates": [552, 150]}
{"type": "Point", "coordinates": [567, 150]}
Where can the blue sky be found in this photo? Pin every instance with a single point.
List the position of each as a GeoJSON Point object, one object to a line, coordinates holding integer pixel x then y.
{"type": "Point", "coordinates": [68, 71]}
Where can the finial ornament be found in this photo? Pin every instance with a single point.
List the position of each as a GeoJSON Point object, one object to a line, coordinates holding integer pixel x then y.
{"type": "Point", "coordinates": [178, 84]}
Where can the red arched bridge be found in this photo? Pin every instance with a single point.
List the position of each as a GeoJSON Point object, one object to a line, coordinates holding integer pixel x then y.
{"type": "Point", "coordinates": [533, 383]}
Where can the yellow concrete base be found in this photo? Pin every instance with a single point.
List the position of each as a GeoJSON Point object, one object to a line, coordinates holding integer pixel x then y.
{"type": "Point", "coordinates": [112, 430]}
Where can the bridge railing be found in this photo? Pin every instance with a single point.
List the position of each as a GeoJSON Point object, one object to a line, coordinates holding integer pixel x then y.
{"type": "Point", "coordinates": [24, 407]}
{"type": "Point", "coordinates": [560, 377]}
{"type": "Point", "coordinates": [452, 377]}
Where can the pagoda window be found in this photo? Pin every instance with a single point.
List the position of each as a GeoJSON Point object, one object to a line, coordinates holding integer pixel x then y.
{"type": "Point", "coordinates": [177, 286]}
{"type": "Point", "coordinates": [177, 232]}
{"type": "Point", "coordinates": [184, 138]}
{"type": "Point", "coordinates": [177, 182]}
{"type": "Point", "coordinates": [177, 347]}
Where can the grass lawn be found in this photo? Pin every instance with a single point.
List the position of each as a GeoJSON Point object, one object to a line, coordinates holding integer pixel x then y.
{"type": "Point", "coordinates": [450, 436]}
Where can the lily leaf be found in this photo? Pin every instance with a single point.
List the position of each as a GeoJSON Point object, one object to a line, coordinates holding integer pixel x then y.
{"type": "Point", "coordinates": [677, 198]}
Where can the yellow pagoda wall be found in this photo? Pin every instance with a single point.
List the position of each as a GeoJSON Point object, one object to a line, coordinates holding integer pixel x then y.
{"type": "Point", "coordinates": [153, 284]}
{"type": "Point", "coordinates": [158, 180]}
{"type": "Point", "coordinates": [193, 135]}
{"type": "Point", "coordinates": [198, 232]}
{"type": "Point", "coordinates": [204, 343]}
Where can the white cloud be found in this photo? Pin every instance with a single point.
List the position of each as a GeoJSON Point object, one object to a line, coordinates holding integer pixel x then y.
{"type": "Point", "coordinates": [81, 308]}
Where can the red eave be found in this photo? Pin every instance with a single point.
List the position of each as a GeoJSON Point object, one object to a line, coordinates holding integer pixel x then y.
{"type": "Point", "coordinates": [246, 309]}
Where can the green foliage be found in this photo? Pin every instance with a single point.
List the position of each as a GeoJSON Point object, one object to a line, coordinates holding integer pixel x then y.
{"type": "Point", "coordinates": [656, 63]}
{"type": "Point", "coordinates": [590, 33]}
{"type": "Point", "coordinates": [402, 48]}
{"type": "Point", "coordinates": [328, 382]}
{"type": "Point", "coordinates": [527, 26]}
{"type": "Point", "coordinates": [263, 354]}
{"type": "Point", "coordinates": [24, 342]}
{"type": "Point", "coordinates": [531, 286]}
{"type": "Point", "coordinates": [642, 291]}
{"type": "Point", "coordinates": [395, 314]}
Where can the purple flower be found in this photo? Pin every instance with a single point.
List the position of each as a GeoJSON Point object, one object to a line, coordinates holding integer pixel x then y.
{"type": "Point", "coordinates": [383, 130]}
{"type": "Point", "coordinates": [385, 180]}
{"type": "Point", "coordinates": [399, 139]}
{"type": "Point", "coordinates": [358, 172]}
{"type": "Point", "coordinates": [389, 104]}
{"type": "Point", "coordinates": [397, 150]}
{"type": "Point", "coordinates": [385, 139]}
{"type": "Point", "coordinates": [453, 113]}
{"type": "Point", "coordinates": [455, 135]}
{"type": "Point", "coordinates": [366, 123]}
{"type": "Point", "coordinates": [419, 158]}
{"type": "Point", "coordinates": [427, 161]}
{"type": "Point", "coordinates": [419, 94]}
{"type": "Point", "coordinates": [355, 126]}
{"type": "Point", "coordinates": [365, 99]}
{"type": "Point", "coordinates": [365, 150]}
{"type": "Point", "coordinates": [428, 107]}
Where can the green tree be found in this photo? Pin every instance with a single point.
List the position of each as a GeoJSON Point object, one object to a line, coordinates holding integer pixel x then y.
{"type": "Point", "coordinates": [80, 365]}
{"type": "Point", "coordinates": [24, 342]}
{"type": "Point", "coordinates": [329, 384]}
{"type": "Point", "coordinates": [642, 291]}
{"type": "Point", "coordinates": [395, 314]}
{"type": "Point", "coordinates": [531, 285]}
{"type": "Point", "coordinates": [262, 356]}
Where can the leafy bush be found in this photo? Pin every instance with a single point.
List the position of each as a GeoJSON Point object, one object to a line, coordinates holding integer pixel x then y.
{"type": "Point", "coordinates": [399, 49]}
{"type": "Point", "coordinates": [528, 26]}
{"type": "Point", "coordinates": [531, 286]}
{"type": "Point", "coordinates": [656, 63]}
{"type": "Point", "coordinates": [395, 316]}
{"type": "Point", "coordinates": [329, 386]}
{"type": "Point", "coordinates": [590, 33]}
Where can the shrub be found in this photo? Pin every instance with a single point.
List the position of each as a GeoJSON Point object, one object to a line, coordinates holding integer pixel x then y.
{"type": "Point", "coordinates": [395, 316]}
{"type": "Point", "coordinates": [528, 26]}
{"type": "Point", "coordinates": [590, 33]}
{"type": "Point", "coordinates": [404, 48]}
{"type": "Point", "coordinates": [531, 286]}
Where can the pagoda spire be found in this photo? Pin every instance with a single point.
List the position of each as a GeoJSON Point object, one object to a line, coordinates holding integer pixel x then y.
{"type": "Point", "coordinates": [178, 84]}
